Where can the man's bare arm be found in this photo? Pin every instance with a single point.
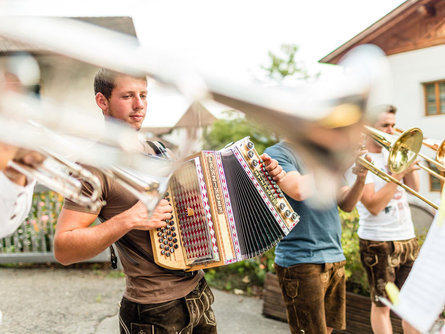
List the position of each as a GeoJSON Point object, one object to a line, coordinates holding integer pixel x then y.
{"type": "Point", "coordinates": [76, 240]}
{"type": "Point", "coordinates": [375, 202]}
{"type": "Point", "coordinates": [297, 186]}
{"type": "Point", "coordinates": [349, 196]}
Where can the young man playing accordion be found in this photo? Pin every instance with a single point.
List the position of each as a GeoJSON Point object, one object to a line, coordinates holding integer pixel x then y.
{"type": "Point", "coordinates": [155, 299]}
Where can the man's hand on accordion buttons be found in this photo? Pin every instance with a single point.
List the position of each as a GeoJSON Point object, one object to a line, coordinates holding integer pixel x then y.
{"type": "Point", "coordinates": [274, 169]}
{"type": "Point", "coordinates": [161, 213]}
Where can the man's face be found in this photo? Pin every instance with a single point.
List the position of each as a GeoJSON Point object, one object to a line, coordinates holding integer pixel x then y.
{"type": "Point", "coordinates": [128, 101]}
{"type": "Point", "coordinates": [386, 122]}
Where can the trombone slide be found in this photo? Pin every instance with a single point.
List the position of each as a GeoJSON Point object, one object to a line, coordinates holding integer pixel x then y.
{"type": "Point", "coordinates": [388, 178]}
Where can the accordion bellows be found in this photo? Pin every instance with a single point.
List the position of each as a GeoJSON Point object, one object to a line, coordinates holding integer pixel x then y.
{"type": "Point", "coordinates": [226, 208]}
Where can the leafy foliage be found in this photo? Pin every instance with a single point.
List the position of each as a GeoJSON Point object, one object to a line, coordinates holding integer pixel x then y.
{"type": "Point", "coordinates": [355, 272]}
{"type": "Point", "coordinates": [285, 65]}
{"type": "Point", "coordinates": [235, 127]}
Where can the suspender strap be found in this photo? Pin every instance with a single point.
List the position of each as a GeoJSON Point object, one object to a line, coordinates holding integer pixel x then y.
{"type": "Point", "coordinates": [113, 258]}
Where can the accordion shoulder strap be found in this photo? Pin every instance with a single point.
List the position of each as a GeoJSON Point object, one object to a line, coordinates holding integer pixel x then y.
{"type": "Point", "coordinates": [159, 148]}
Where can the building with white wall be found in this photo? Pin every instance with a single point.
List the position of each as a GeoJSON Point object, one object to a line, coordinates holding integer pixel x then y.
{"type": "Point", "coordinates": [412, 37]}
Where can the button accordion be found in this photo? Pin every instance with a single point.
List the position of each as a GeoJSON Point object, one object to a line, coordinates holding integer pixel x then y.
{"type": "Point", "coordinates": [226, 208]}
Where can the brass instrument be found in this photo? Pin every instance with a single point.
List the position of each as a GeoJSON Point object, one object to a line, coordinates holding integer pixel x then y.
{"type": "Point", "coordinates": [388, 178]}
{"type": "Point", "coordinates": [403, 152]}
{"type": "Point", "coordinates": [322, 121]}
{"type": "Point", "coordinates": [144, 187]}
{"type": "Point", "coordinates": [61, 175]}
{"type": "Point", "coordinates": [439, 160]}
{"type": "Point", "coordinates": [63, 138]}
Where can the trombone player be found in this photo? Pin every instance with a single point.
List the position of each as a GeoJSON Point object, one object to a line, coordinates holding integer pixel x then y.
{"type": "Point", "coordinates": [388, 245]}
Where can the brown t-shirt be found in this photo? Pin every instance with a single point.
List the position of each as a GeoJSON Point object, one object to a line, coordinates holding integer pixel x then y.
{"type": "Point", "coordinates": [146, 283]}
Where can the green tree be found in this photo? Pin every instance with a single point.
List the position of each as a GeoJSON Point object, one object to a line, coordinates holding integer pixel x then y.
{"type": "Point", "coordinates": [235, 127]}
{"type": "Point", "coordinates": [286, 65]}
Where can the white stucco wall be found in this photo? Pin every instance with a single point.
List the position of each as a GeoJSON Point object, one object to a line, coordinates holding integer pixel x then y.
{"type": "Point", "coordinates": [409, 70]}
{"type": "Point", "coordinates": [68, 85]}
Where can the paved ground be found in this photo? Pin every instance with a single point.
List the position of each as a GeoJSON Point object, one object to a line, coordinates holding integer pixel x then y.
{"type": "Point", "coordinates": [85, 301]}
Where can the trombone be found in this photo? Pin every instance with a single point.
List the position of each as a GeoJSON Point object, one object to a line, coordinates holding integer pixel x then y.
{"type": "Point", "coordinates": [402, 153]}
{"type": "Point", "coordinates": [439, 160]}
{"type": "Point", "coordinates": [388, 178]}
{"type": "Point", "coordinates": [402, 150]}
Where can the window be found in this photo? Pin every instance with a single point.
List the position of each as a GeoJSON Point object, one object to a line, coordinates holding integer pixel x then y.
{"type": "Point", "coordinates": [434, 98]}
{"type": "Point", "coordinates": [435, 183]}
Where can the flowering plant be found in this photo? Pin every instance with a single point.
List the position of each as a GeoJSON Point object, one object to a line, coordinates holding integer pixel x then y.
{"type": "Point", "coordinates": [37, 231]}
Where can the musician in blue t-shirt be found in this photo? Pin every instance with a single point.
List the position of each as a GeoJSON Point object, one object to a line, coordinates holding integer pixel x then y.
{"type": "Point", "coordinates": [309, 261]}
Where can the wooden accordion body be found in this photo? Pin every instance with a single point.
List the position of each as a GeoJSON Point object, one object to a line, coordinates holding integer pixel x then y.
{"type": "Point", "coordinates": [226, 208]}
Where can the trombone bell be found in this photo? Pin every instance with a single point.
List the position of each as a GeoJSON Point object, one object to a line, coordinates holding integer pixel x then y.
{"type": "Point", "coordinates": [440, 156]}
{"type": "Point", "coordinates": [405, 150]}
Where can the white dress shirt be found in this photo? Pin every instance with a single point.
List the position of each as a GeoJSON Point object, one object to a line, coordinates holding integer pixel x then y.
{"type": "Point", "coordinates": [15, 204]}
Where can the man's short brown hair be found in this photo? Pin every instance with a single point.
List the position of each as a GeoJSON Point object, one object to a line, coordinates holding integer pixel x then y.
{"type": "Point", "coordinates": [104, 81]}
{"type": "Point", "coordinates": [374, 112]}
{"type": "Point", "coordinates": [389, 108]}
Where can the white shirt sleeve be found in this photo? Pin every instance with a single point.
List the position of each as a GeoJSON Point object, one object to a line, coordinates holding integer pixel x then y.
{"type": "Point", "coordinates": [15, 204]}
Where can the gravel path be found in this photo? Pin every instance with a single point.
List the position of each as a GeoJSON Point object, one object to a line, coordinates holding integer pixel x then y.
{"type": "Point", "coordinates": [57, 300]}
{"type": "Point", "coordinates": [85, 301]}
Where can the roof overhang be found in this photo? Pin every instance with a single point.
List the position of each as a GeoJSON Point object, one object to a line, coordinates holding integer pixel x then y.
{"type": "Point", "coordinates": [406, 11]}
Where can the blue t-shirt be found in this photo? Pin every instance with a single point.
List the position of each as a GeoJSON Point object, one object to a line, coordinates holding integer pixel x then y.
{"type": "Point", "coordinates": [317, 236]}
